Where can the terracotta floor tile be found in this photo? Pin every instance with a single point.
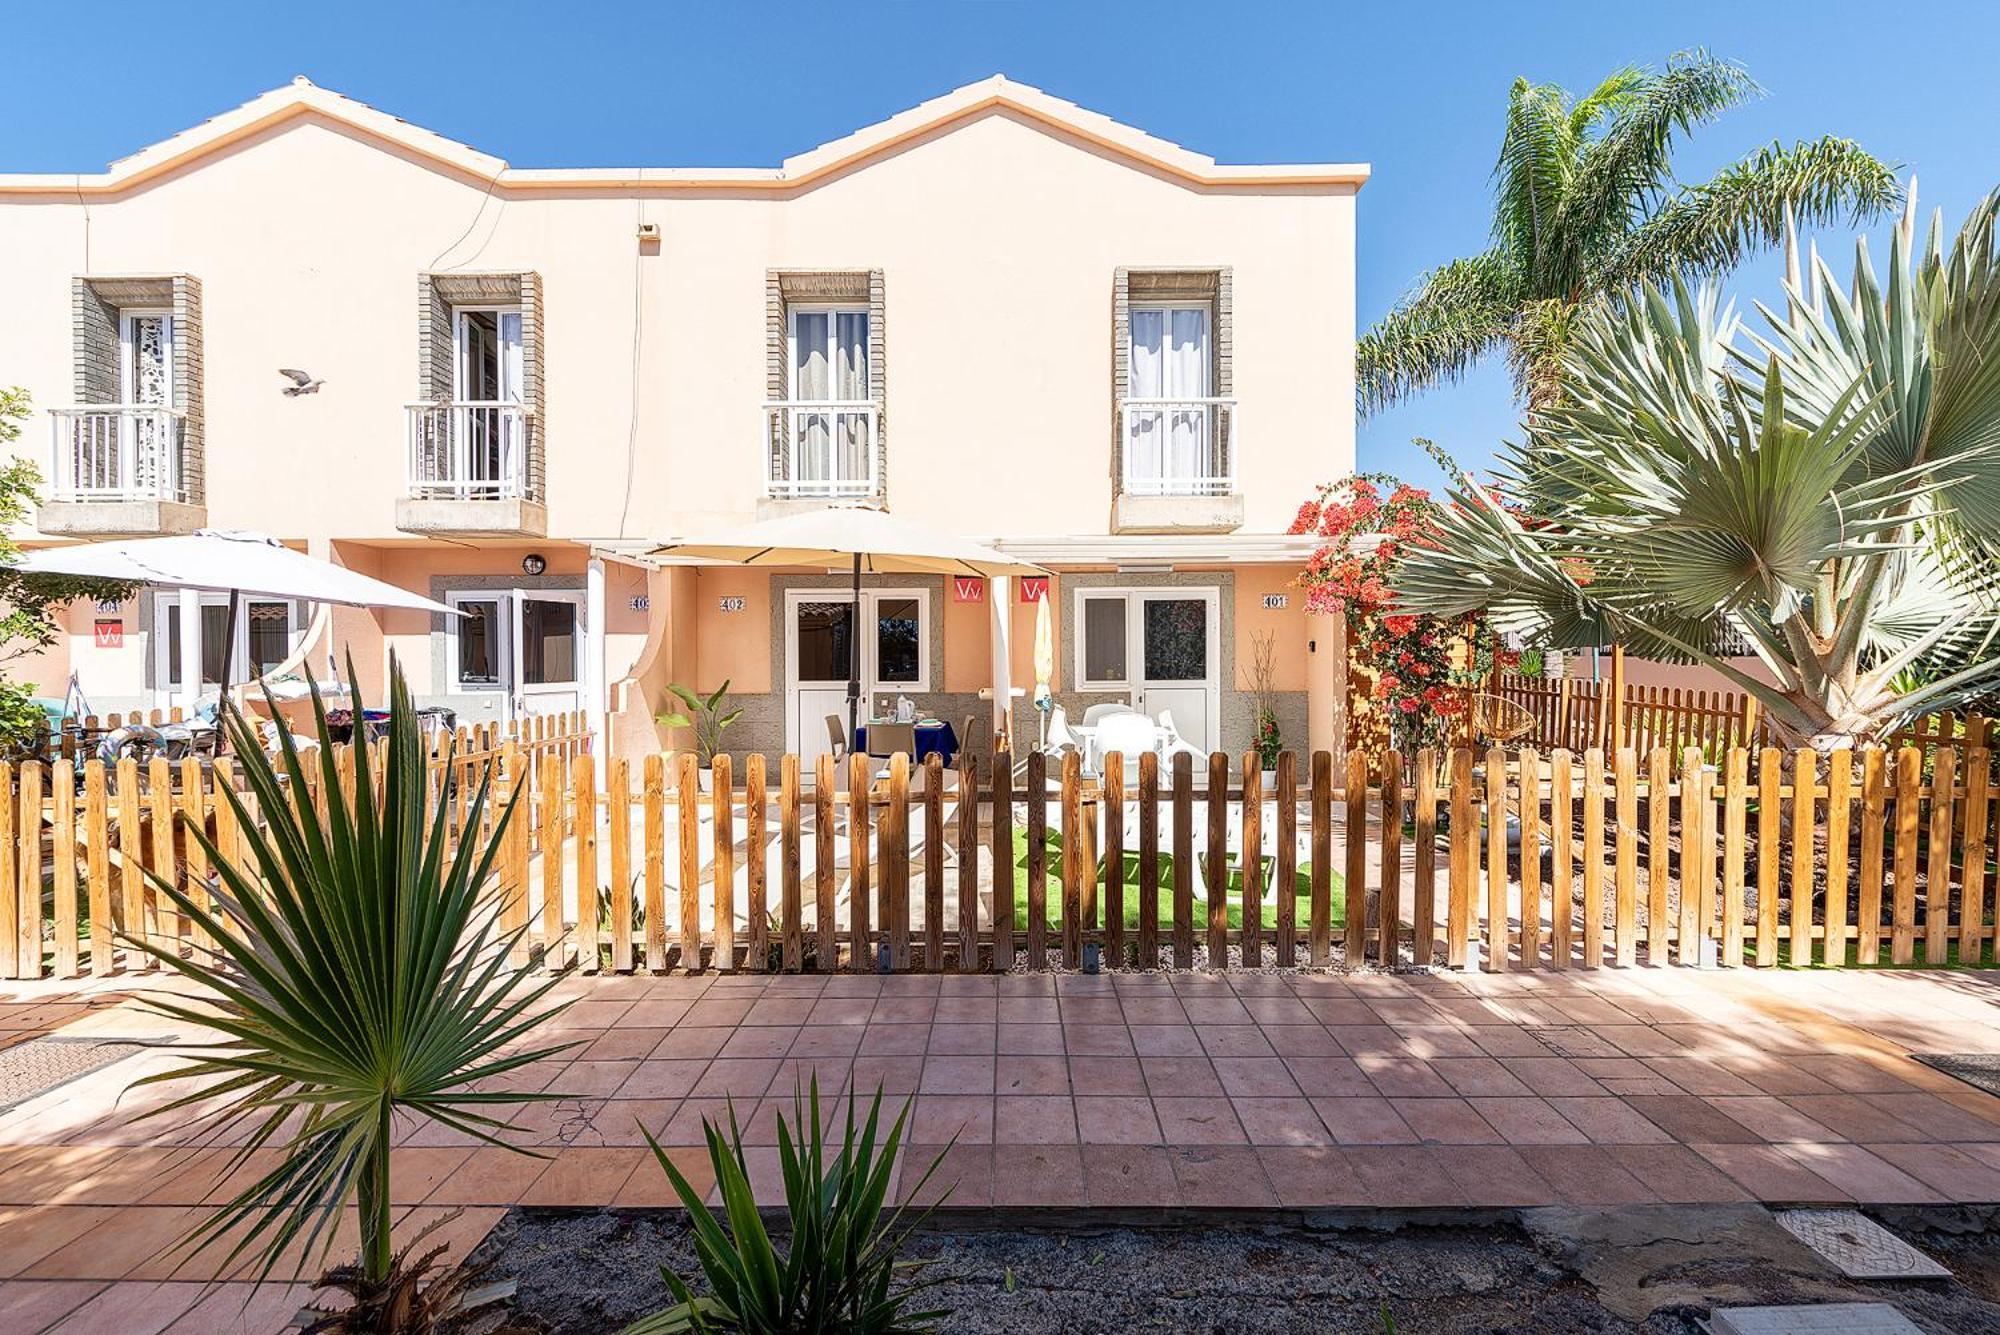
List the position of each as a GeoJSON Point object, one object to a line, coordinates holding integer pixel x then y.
{"type": "Point", "coordinates": [1479, 1075]}
{"type": "Point", "coordinates": [1166, 1040]}
{"type": "Point", "coordinates": [1942, 1120]}
{"type": "Point", "coordinates": [1032, 1075]}
{"type": "Point", "coordinates": [1235, 1040]}
{"type": "Point", "coordinates": [686, 1044]}
{"type": "Point", "coordinates": [1552, 1076]}
{"type": "Point", "coordinates": [1497, 1175]}
{"type": "Point", "coordinates": [1198, 1121]}
{"type": "Point", "coordinates": [940, 1118]}
{"type": "Point", "coordinates": [1854, 1117]}
{"type": "Point", "coordinates": [1609, 1121]}
{"type": "Point", "coordinates": [1254, 1077]}
{"type": "Point", "coordinates": [904, 1010]}
{"type": "Point", "coordinates": [1222, 1177]}
{"type": "Point", "coordinates": [841, 1011]}
{"type": "Point", "coordinates": [793, 1011]}
{"type": "Point", "coordinates": [1587, 1174]}
{"type": "Point", "coordinates": [1180, 1077]}
{"type": "Point", "coordinates": [1864, 1175]}
{"type": "Point", "coordinates": [1093, 1040]}
{"type": "Point", "coordinates": [1117, 1120]}
{"type": "Point", "coordinates": [583, 1177]}
{"type": "Point", "coordinates": [27, 1234]}
{"type": "Point", "coordinates": [1329, 1077]}
{"type": "Point", "coordinates": [132, 1309]}
{"type": "Point", "coordinates": [1037, 1174]}
{"type": "Point", "coordinates": [1030, 1039]}
{"type": "Point", "coordinates": [1203, 1011]}
{"type": "Point", "coordinates": [1303, 1042]}
{"type": "Point", "coordinates": [625, 1043]}
{"type": "Point", "coordinates": [881, 1040]}
{"type": "Point", "coordinates": [658, 1079]}
{"type": "Point", "coordinates": [1403, 1077]}
{"type": "Point", "coordinates": [1280, 1121]}
{"type": "Point", "coordinates": [963, 1179]}
{"type": "Point", "coordinates": [1769, 1174]}
{"type": "Point", "coordinates": [242, 1309]}
{"type": "Point", "coordinates": [958, 1075]}
{"type": "Point", "coordinates": [1032, 1010]}
{"type": "Point", "coordinates": [963, 1040]}
{"type": "Point", "coordinates": [1405, 1176]}
{"type": "Point", "coordinates": [1446, 1122]}
{"type": "Point", "coordinates": [1305, 1176]}
{"type": "Point", "coordinates": [1107, 1075]}
{"type": "Point", "coordinates": [30, 1305]}
{"type": "Point", "coordinates": [1129, 1175]}
{"type": "Point", "coordinates": [1676, 1173]}
{"type": "Point", "coordinates": [1945, 1169]}
{"type": "Point", "coordinates": [1364, 1121]}
{"type": "Point", "coordinates": [733, 1077]}
{"type": "Point", "coordinates": [967, 1010]}
{"type": "Point", "coordinates": [1528, 1121]}
{"type": "Point", "coordinates": [1691, 1120]}
{"type": "Point", "coordinates": [892, 1075]}
{"type": "Point", "coordinates": [125, 1239]}
{"type": "Point", "coordinates": [1034, 1120]}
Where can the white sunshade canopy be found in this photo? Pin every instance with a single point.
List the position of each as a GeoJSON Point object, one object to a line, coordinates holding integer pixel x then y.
{"type": "Point", "coordinates": [226, 562]}
{"type": "Point", "coordinates": [885, 544]}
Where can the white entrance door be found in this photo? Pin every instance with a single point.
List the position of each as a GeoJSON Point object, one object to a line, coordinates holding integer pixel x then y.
{"type": "Point", "coordinates": [548, 657]}
{"type": "Point", "coordinates": [1158, 649]}
{"type": "Point", "coordinates": [524, 645]}
{"type": "Point", "coordinates": [819, 641]}
{"type": "Point", "coordinates": [487, 382]}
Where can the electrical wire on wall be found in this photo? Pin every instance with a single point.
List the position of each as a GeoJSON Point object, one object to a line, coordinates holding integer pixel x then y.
{"type": "Point", "coordinates": [478, 213]}
{"type": "Point", "coordinates": [638, 343]}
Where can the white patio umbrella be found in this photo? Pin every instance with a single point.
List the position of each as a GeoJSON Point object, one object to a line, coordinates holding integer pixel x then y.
{"type": "Point", "coordinates": [864, 539]}
{"type": "Point", "coordinates": [1045, 663]}
{"type": "Point", "coordinates": [235, 563]}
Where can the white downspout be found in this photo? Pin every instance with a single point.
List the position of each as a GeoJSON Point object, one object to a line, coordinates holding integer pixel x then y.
{"type": "Point", "coordinates": [597, 697]}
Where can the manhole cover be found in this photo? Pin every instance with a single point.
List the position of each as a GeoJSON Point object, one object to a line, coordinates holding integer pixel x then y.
{"type": "Point", "coordinates": [1845, 1318]}
{"type": "Point", "coordinates": [1858, 1247]}
{"type": "Point", "coordinates": [41, 1064]}
{"type": "Point", "coordinates": [1979, 1069]}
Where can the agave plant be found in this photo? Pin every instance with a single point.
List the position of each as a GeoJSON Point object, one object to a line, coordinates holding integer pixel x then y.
{"type": "Point", "coordinates": [1829, 488]}
{"type": "Point", "coordinates": [356, 974]}
{"type": "Point", "coordinates": [839, 1271]}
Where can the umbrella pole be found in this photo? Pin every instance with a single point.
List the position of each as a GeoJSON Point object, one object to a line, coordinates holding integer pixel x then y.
{"type": "Point", "coordinates": [854, 657]}
{"type": "Point", "coordinates": [228, 673]}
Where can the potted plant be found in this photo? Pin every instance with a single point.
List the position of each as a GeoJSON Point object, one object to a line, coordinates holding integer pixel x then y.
{"type": "Point", "coordinates": [709, 716]}
{"type": "Point", "coordinates": [1266, 740]}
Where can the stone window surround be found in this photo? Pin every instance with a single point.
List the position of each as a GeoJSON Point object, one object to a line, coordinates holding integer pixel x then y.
{"type": "Point", "coordinates": [96, 301]}
{"type": "Point", "coordinates": [782, 287]}
{"type": "Point", "coordinates": [441, 294]}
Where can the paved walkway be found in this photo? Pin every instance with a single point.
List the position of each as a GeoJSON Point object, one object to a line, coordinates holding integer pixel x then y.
{"type": "Point", "coordinates": [1119, 1092]}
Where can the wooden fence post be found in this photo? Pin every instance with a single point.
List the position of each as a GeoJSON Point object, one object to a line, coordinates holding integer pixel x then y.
{"type": "Point", "coordinates": [757, 893]}
{"type": "Point", "coordinates": [1390, 902]}
{"type": "Point", "coordinates": [1839, 797]}
{"type": "Point", "coordinates": [1149, 861]}
{"type": "Point", "coordinates": [1183, 926]}
{"type": "Point", "coordinates": [1625, 880]}
{"type": "Point", "coordinates": [722, 813]}
{"type": "Point", "coordinates": [1113, 810]}
{"type": "Point", "coordinates": [1355, 794]}
{"type": "Point", "coordinates": [1562, 908]}
{"type": "Point", "coordinates": [618, 825]}
{"type": "Point", "coordinates": [968, 871]}
{"type": "Point", "coordinates": [1286, 875]}
{"type": "Point", "coordinates": [1462, 860]}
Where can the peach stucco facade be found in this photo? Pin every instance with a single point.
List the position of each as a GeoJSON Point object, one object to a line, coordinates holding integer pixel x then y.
{"type": "Point", "coordinates": [996, 225]}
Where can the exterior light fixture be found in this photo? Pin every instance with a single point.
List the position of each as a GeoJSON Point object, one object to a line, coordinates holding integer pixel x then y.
{"type": "Point", "coordinates": [533, 564]}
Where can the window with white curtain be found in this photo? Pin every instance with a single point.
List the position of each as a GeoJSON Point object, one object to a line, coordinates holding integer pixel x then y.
{"type": "Point", "coordinates": [829, 367]}
{"type": "Point", "coordinates": [1169, 420]}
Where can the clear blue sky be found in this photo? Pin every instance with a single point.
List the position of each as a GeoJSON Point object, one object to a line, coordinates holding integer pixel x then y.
{"type": "Point", "coordinates": [1416, 88]}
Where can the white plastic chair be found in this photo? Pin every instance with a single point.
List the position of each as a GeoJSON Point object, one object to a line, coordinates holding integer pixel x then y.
{"type": "Point", "coordinates": [1131, 735]}
{"type": "Point", "coordinates": [1096, 714]}
{"type": "Point", "coordinates": [1171, 741]}
{"type": "Point", "coordinates": [1060, 738]}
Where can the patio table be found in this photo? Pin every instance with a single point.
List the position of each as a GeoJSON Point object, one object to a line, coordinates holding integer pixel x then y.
{"type": "Point", "coordinates": [934, 737]}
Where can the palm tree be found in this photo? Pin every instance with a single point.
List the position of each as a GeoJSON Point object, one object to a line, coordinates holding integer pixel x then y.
{"type": "Point", "coordinates": [356, 978]}
{"type": "Point", "coordinates": [1586, 204]}
{"type": "Point", "coordinates": [1831, 491]}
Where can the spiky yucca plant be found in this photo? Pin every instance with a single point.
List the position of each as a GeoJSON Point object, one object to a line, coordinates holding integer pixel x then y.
{"type": "Point", "coordinates": [839, 1270]}
{"type": "Point", "coordinates": [356, 973]}
{"type": "Point", "coordinates": [1831, 491]}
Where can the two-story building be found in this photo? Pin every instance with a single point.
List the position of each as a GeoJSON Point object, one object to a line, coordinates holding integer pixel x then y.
{"type": "Point", "coordinates": [997, 313]}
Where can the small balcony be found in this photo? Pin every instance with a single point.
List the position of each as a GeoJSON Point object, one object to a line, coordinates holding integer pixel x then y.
{"type": "Point", "coordinates": [1179, 467]}
{"type": "Point", "coordinates": [120, 470]}
{"type": "Point", "coordinates": [819, 450]}
{"type": "Point", "coordinates": [470, 471]}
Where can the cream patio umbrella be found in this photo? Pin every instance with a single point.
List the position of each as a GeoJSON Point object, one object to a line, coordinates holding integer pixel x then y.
{"type": "Point", "coordinates": [864, 539]}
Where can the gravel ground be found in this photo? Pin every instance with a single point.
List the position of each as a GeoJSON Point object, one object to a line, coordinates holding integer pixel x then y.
{"type": "Point", "coordinates": [1551, 1274]}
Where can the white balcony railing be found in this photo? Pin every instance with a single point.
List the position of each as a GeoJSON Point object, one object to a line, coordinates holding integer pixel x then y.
{"type": "Point", "coordinates": [1178, 447]}
{"type": "Point", "coordinates": [469, 450]}
{"type": "Point", "coordinates": [821, 448]}
{"type": "Point", "coordinates": [118, 452]}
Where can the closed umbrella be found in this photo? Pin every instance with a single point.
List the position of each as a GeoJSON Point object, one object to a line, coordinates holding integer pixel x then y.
{"type": "Point", "coordinates": [1045, 662]}
{"type": "Point", "coordinates": [860, 537]}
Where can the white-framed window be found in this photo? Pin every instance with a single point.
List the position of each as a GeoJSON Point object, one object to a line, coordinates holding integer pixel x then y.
{"type": "Point", "coordinates": [827, 351]}
{"type": "Point", "coordinates": [1174, 437]}
{"type": "Point", "coordinates": [526, 646]}
{"type": "Point", "coordinates": [477, 643]}
{"type": "Point", "coordinates": [267, 631]}
{"type": "Point", "coordinates": [487, 362]}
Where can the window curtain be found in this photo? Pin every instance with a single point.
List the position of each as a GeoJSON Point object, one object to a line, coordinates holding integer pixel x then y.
{"type": "Point", "coordinates": [812, 380]}
{"type": "Point", "coordinates": [1144, 432]}
{"type": "Point", "coordinates": [851, 353]}
{"type": "Point", "coordinates": [1186, 359]}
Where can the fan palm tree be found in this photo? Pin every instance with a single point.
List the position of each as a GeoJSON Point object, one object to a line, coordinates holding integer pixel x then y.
{"type": "Point", "coordinates": [356, 977]}
{"type": "Point", "coordinates": [1829, 489]}
{"type": "Point", "coordinates": [1586, 204]}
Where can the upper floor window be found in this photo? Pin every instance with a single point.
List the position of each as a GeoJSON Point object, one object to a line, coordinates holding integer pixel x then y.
{"type": "Point", "coordinates": [824, 431]}
{"type": "Point", "coordinates": [475, 431]}
{"type": "Point", "coordinates": [489, 354]}
{"type": "Point", "coordinates": [146, 358]}
{"type": "Point", "coordinates": [1174, 433]}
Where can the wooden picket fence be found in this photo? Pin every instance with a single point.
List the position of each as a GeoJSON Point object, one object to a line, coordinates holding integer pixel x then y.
{"type": "Point", "coordinates": [1658, 857]}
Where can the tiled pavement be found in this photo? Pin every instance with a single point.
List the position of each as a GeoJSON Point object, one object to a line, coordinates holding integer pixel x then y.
{"type": "Point", "coordinates": [1256, 1091]}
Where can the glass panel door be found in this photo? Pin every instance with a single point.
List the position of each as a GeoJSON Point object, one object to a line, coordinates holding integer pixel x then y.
{"type": "Point", "coordinates": [1178, 663]}
{"type": "Point", "coordinates": [1168, 435]}
{"type": "Point", "coordinates": [146, 378]}
{"type": "Point", "coordinates": [548, 651]}
{"type": "Point", "coordinates": [829, 364]}
{"type": "Point", "coordinates": [488, 378]}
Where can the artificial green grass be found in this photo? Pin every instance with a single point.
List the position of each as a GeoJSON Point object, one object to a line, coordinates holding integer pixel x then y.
{"type": "Point", "coordinates": [1052, 882]}
{"type": "Point", "coordinates": [1851, 956]}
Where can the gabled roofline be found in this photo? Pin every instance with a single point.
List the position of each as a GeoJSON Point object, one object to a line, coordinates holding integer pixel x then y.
{"type": "Point", "coordinates": [302, 98]}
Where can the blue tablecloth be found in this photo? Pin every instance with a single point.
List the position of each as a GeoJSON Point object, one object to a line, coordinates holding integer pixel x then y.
{"type": "Point", "coordinates": [933, 739]}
